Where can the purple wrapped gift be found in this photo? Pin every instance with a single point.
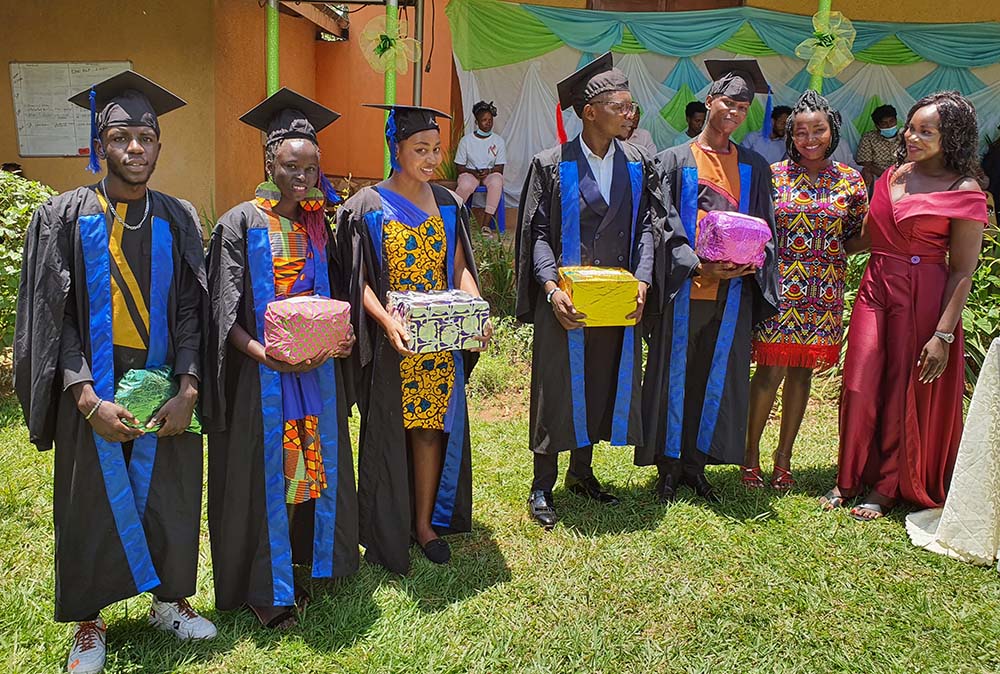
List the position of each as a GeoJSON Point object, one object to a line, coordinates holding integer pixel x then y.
{"type": "Point", "coordinates": [725, 236]}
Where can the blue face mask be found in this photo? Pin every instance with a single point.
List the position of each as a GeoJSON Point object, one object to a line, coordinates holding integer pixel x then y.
{"type": "Point", "coordinates": [889, 133]}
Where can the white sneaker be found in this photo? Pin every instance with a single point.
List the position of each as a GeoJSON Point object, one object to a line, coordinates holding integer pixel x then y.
{"type": "Point", "coordinates": [87, 654]}
{"type": "Point", "coordinates": [178, 617]}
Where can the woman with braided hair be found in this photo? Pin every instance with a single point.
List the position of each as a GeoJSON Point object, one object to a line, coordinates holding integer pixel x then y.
{"type": "Point", "coordinates": [480, 159]}
{"type": "Point", "coordinates": [819, 205]}
{"type": "Point", "coordinates": [901, 403]}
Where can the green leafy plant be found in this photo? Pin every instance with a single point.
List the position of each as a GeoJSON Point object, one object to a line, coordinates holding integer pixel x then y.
{"type": "Point", "coordinates": [495, 261]}
{"type": "Point", "coordinates": [981, 316]}
{"type": "Point", "coordinates": [506, 365]}
{"type": "Point", "coordinates": [19, 197]}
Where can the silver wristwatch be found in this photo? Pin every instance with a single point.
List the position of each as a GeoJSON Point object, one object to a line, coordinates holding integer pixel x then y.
{"type": "Point", "coordinates": [948, 337]}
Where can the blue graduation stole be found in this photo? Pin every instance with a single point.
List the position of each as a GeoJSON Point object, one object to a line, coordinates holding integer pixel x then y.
{"type": "Point", "coordinates": [261, 267]}
{"type": "Point", "coordinates": [682, 313]}
{"type": "Point", "coordinates": [127, 488]}
{"type": "Point", "coordinates": [569, 193]}
{"type": "Point", "coordinates": [398, 208]}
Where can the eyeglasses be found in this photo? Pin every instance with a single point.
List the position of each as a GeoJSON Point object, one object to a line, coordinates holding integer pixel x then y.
{"type": "Point", "coordinates": [627, 108]}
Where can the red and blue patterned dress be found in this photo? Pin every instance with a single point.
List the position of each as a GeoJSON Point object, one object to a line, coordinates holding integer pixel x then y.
{"type": "Point", "coordinates": [813, 220]}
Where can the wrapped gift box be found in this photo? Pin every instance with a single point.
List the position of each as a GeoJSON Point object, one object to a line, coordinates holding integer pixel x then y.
{"type": "Point", "coordinates": [724, 236]}
{"type": "Point", "coordinates": [299, 328]}
{"type": "Point", "coordinates": [144, 392]}
{"type": "Point", "coordinates": [606, 295]}
{"type": "Point", "coordinates": [440, 320]}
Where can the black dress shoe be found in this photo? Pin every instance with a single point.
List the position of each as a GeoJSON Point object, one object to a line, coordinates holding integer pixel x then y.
{"type": "Point", "coordinates": [666, 487]}
{"type": "Point", "coordinates": [702, 487]}
{"type": "Point", "coordinates": [437, 550]}
{"type": "Point", "coordinates": [589, 487]}
{"type": "Point", "coordinates": [541, 509]}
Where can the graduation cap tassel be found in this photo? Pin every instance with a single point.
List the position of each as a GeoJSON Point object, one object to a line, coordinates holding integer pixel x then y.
{"type": "Point", "coordinates": [560, 127]}
{"type": "Point", "coordinates": [328, 190]}
{"type": "Point", "coordinates": [94, 165]}
{"type": "Point", "coordinates": [768, 124]}
{"type": "Point", "coordinates": [390, 137]}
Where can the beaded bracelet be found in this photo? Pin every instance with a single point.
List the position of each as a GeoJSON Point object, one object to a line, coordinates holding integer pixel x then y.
{"type": "Point", "coordinates": [548, 297]}
{"type": "Point", "coordinates": [94, 411]}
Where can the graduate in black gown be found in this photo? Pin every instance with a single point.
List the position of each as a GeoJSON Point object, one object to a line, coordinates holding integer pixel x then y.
{"type": "Point", "coordinates": [586, 202]}
{"type": "Point", "coordinates": [697, 383]}
{"type": "Point", "coordinates": [414, 456]}
{"type": "Point", "coordinates": [281, 485]}
{"type": "Point", "coordinates": [113, 279]}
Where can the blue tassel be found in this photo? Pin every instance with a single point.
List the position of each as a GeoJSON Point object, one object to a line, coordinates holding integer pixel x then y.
{"type": "Point", "coordinates": [390, 137]}
{"type": "Point", "coordinates": [768, 124]}
{"type": "Point", "coordinates": [327, 187]}
{"type": "Point", "coordinates": [94, 165]}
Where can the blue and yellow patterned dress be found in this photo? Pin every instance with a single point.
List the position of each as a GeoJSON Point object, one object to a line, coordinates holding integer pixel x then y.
{"type": "Point", "coordinates": [416, 256]}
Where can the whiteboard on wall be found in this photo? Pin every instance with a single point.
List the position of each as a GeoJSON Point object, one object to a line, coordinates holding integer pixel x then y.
{"type": "Point", "coordinates": [47, 124]}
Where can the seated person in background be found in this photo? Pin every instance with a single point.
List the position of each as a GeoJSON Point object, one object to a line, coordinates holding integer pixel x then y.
{"type": "Point", "coordinates": [771, 148]}
{"type": "Point", "coordinates": [639, 137]}
{"type": "Point", "coordinates": [877, 148]}
{"type": "Point", "coordinates": [480, 158]}
{"type": "Point", "coordinates": [694, 113]}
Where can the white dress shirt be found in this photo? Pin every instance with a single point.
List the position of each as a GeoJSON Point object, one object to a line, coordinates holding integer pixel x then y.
{"type": "Point", "coordinates": [602, 167]}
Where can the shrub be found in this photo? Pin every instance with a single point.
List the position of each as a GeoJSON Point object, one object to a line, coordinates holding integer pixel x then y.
{"type": "Point", "coordinates": [495, 261]}
{"type": "Point", "coordinates": [19, 197]}
{"type": "Point", "coordinates": [981, 316]}
{"type": "Point", "coordinates": [506, 365]}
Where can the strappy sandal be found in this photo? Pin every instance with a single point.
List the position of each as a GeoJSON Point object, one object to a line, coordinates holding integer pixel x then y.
{"type": "Point", "coordinates": [277, 622]}
{"type": "Point", "coordinates": [782, 479]}
{"type": "Point", "coordinates": [829, 500]}
{"type": "Point", "coordinates": [877, 508]}
{"type": "Point", "coordinates": [751, 477]}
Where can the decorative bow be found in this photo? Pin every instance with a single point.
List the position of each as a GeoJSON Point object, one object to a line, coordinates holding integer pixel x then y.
{"type": "Point", "coordinates": [828, 51]}
{"type": "Point", "coordinates": [384, 50]}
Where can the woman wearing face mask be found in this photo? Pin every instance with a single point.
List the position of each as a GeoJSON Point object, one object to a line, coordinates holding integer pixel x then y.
{"type": "Point", "coordinates": [281, 485]}
{"type": "Point", "coordinates": [819, 206]}
{"type": "Point", "coordinates": [414, 471]}
{"type": "Point", "coordinates": [480, 159]}
{"type": "Point", "coordinates": [901, 404]}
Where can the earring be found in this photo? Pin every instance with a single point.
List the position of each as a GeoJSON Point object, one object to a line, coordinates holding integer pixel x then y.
{"type": "Point", "coordinates": [314, 200]}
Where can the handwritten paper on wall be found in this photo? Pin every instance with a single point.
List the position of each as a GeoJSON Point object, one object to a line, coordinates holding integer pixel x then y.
{"type": "Point", "coordinates": [47, 124]}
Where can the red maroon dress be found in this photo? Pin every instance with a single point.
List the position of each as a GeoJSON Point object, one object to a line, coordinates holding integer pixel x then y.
{"type": "Point", "coordinates": [896, 434]}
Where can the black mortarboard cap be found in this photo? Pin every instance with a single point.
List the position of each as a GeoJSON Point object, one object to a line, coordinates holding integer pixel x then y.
{"type": "Point", "coordinates": [739, 79]}
{"type": "Point", "coordinates": [288, 114]}
{"type": "Point", "coordinates": [406, 120]}
{"type": "Point", "coordinates": [595, 78]}
{"type": "Point", "coordinates": [125, 99]}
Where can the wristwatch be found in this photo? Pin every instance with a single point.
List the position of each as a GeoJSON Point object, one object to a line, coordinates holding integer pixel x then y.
{"type": "Point", "coordinates": [948, 337]}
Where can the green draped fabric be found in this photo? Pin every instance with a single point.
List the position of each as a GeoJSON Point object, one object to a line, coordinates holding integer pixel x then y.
{"type": "Point", "coordinates": [888, 52]}
{"type": "Point", "coordinates": [487, 34]}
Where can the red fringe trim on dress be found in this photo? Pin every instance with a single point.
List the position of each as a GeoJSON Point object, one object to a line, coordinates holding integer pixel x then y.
{"type": "Point", "coordinates": [815, 356]}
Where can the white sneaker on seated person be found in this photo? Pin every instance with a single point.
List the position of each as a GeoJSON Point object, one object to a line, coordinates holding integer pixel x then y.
{"type": "Point", "coordinates": [89, 649]}
{"type": "Point", "coordinates": [179, 618]}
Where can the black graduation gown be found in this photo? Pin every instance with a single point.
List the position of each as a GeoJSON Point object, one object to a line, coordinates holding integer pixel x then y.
{"type": "Point", "coordinates": [585, 384]}
{"type": "Point", "coordinates": [63, 324]}
{"type": "Point", "coordinates": [384, 494]}
{"type": "Point", "coordinates": [247, 518]}
{"type": "Point", "coordinates": [697, 385]}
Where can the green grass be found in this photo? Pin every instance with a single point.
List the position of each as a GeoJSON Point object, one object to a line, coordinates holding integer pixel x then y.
{"type": "Point", "coordinates": [762, 583]}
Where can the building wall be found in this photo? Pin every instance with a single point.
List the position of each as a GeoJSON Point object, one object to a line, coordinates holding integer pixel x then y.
{"type": "Point", "coordinates": [169, 42]}
{"type": "Point", "coordinates": [241, 83]}
{"type": "Point", "coordinates": [344, 80]}
{"type": "Point", "coordinates": [910, 11]}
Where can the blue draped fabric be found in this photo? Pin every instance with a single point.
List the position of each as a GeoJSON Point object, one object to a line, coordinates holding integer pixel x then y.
{"type": "Point", "coordinates": [121, 499]}
{"type": "Point", "coordinates": [946, 78]}
{"type": "Point", "coordinates": [802, 78]}
{"type": "Point", "coordinates": [686, 72]}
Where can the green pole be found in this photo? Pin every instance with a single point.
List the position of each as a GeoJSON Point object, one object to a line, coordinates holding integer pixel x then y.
{"type": "Point", "coordinates": [391, 28]}
{"type": "Point", "coordinates": [272, 46]}
{"type": "Point", "coordinates": [816, 81]}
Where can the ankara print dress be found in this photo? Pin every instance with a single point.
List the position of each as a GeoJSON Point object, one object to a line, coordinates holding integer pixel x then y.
{"type": "Point", "coordinates": [812, 220]}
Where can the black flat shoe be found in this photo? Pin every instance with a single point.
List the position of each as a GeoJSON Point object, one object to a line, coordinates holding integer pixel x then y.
{"type": "Point", "coordinates": [702, 487]}
{"type": "Point", "coordinates": [589, 487]}
{"type": "Point", "coordinates": [541, 509]}
{"type": "Point", "coordinates": [666, 487]}
{"type": "Point", "coordinates": [437, 551]}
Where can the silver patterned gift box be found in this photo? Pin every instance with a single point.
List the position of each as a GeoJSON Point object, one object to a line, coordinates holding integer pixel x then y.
{"type": "Point", "coordinates": [440, 320]}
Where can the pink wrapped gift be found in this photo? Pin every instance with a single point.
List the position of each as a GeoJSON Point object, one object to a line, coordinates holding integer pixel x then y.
{"type": "Point", "coordinates": [725, 236]}
{"type": "Point", "coordinates": [299, 328]}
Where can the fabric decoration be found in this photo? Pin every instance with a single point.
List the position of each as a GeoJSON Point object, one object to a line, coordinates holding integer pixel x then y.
{"type": "Point", "coordinates": [385, 50]}
{"type": "Point", "coordinates": [828, 51]}
{"type": "Point", "coordinates": [299, 328]}
{"type": "Point", "coordinates": [606, 295]}
{"type": "Point", "coordinates": [440, 320]}
{"type": "Point", "coordinates": [727, 236]}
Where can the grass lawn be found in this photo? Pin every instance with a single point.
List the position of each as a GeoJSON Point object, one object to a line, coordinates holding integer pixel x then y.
{"type": "Point", "coordinates": [763, 583]}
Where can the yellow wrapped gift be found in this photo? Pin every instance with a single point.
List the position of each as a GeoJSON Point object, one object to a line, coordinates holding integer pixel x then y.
{"type": "Point", "coordinates": [606, 295]}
